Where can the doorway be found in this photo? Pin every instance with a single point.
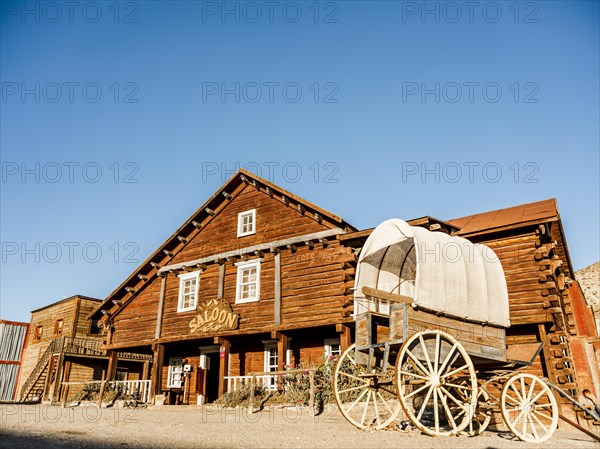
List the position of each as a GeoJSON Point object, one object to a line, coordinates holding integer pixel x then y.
{"type": "Point", "coordinates": [208, 389]}
{"type": "Point", "coordinates": [212, 377]}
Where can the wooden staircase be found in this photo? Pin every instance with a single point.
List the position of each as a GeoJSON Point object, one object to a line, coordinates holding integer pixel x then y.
{"type": "Point", "coordinates": [34, 387]}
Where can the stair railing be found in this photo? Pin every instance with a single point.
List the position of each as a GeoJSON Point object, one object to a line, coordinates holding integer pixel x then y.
{"type": "Point", "coordinates": [55, 346]}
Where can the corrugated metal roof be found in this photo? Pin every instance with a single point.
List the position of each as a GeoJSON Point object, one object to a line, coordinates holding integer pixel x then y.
{"type": "Point", "coordinates": [524, 213]}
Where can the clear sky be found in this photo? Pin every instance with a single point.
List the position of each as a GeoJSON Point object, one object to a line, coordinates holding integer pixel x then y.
{"type": "Point", "coordinates": [118, 120]}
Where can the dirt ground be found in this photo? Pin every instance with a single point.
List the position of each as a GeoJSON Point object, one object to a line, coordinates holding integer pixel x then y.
{"type": "Point", "coordinates": [45, 426]}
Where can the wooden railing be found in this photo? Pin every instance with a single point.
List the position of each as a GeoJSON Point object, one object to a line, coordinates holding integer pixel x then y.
{"type": "Point", "coordinates": [268, 381]}
{"type": "Point", "coordinates": [54, 347]}
{"type": "Point", "coordinates": [140, 389]}
{"type": "Point", "coordinates": [83, 346]}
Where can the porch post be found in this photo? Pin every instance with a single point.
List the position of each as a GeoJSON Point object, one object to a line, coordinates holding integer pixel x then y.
{"type": "Point", "coordinates": [146, 370]}
{"type": "Point", "coordinates": [111, 371]}
{"type": "Point", "coordinates": [157, 365]}
{"type": "Point", "coordinates": [223, 365]}
{"type": "Point", "coordinates": [345, 336]}
{"type": "Point", "coordinates": [65, 392]}
{"type": "Point", "coordinates": [282, 345]}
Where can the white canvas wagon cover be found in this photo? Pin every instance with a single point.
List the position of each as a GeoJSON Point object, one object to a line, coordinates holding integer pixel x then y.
{"type": "Point", "coordinates": [442, 273]}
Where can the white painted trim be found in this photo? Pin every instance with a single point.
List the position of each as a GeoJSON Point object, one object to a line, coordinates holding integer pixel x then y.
{"type": "Point", "coordinates": [254, 263]}
{"type": "Point", "coordinates": [170, 371]}
{"type": "Point", "coordinates": [328, 343]}
{"type": "Point", "coordinates": [266, 367]}
{"type": "Point", "coordinates": [241, 215]}
{"type": "Point", "coordinates": [185, 277]}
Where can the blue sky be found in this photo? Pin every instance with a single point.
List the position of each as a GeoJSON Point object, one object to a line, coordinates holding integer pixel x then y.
{"type": "Point", "coordinates": [119, 120]}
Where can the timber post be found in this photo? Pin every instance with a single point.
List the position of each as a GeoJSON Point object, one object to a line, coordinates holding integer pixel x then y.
{"type": "Point", "coordinates": [146, 370]}
{"type": "Point", "coordinates": [59, 374]}
{"type": "Point", "coordinates": [157, 363]}
{"type": "Point", "coordinates": [111, 371]}
{"type": "Point", "coordinates": [65, 393]}
{"type": "Point", "coordinates": [224, 349]}
{"type": "Point", "coordinates": [277, 287]}
{"type": "Point", "coordinates": [345, 336]}
{"type": "Point", "coordinates": [282, 345]}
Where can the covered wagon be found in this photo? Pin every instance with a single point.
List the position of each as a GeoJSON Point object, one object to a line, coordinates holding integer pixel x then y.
{"type": "Point", "coordinates": [431, 312]}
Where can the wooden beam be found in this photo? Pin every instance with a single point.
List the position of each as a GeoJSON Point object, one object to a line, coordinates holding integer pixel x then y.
{"type": "Point", "coordinates": [146, 370]}
{"type": "Point", "coordinates": [75, 320]}
{"type": "Point", "coordinates": [111, 371]}
{"type": "Point", "coordinates": [221, 284]}
{"type": "Point", "coordinates": [161, 306]}
{"type": "Point", "coordinates": [345, 335]}
{"type": "Point", "coordinates": [46, 392]}
{"type": "Point", "coordinates": [157, 365]}
{"type": "Point", "coordinates": [223, 358]}
{"type": "Point", "coordinates": [266, 247]}
{"type": "Point", "coordinates": [58, 379]}
{"type": "Point", "coordinates": [277, 301]}
{"type": "Point", "coordinates": [282, 345]}
{"type": "Point", "coordinates": [578, 427]}
{"type": "Point", "coordinates": [65, 393]}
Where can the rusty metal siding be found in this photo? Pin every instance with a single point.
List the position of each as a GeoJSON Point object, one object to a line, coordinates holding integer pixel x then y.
{"type": "Point", "coordinates": [12, 337]}
{"type": "Point", "coordinates": [12, 340]}
{"type": "Point", "coordinates": [8, 381]}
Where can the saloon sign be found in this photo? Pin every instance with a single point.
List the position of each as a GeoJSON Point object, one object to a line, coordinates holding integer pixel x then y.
{"type": "Point", "coordinates": [214, 315]}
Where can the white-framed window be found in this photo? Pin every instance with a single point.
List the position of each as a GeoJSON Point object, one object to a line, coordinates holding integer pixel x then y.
{"type": "Point", "coordinates": [271, 364]}
{"type": "Point", "coordinates": [248, 281]}
{"type": "Point", "coordinates": [188, 291]}
{"type": "Point", "coordinates": [175, 377]}
{"type": "Point", "coordinates": [246, 223]}
{"type": "Point", "coordinates": [332, 347]}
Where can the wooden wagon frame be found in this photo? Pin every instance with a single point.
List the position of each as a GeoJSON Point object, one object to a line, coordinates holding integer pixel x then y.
{"type": "Point", "coordinates": [430, 340]}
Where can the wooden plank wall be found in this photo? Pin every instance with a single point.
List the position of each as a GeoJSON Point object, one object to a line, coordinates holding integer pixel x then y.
{"type": "Point", "coordinates": [84, 370]}
{"type": "Point", "coordinates": [313, 280]}
{"type": "Point", "coordinates": [47, 318]}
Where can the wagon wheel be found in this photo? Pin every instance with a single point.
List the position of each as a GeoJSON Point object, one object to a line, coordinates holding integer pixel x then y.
{"type": "Point", "coordinates": [431, 367]}
{"type": "Point", "coordinates": [483, 413]}
{"type": "Point", "coordinates": [529, 408]}
{"type": "Point", "coordinates": [366, 398]}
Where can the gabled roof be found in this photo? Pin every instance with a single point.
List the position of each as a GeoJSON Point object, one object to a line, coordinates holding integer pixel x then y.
{"type": "Point", "coordinates": [516, 216]}
{"type": "Point", "coordinates": [165, 252]}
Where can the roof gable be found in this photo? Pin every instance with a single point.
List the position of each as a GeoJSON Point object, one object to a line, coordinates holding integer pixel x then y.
{"type": "Point", "coordinates": [201, 219]}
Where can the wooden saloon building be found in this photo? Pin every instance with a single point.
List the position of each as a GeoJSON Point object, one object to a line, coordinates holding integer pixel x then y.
{"type": "Point", "coordinates": [258, 279]}
{"type": "Point", "coordinates": [254, 281]}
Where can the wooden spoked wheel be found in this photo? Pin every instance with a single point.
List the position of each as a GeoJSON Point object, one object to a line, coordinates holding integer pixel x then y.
{"type": "Point", "coordinates": [431, 367]}
{"type": "Point", "coordinates": [483, 413]}
{"type": "Point", "coordinates": [366, 397]}
{"type": "Point", "coordinates": [529, 408]}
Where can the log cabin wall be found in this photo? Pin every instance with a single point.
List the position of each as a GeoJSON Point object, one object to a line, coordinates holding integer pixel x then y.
{"type": "Point", "coordinates": [536, 262]}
